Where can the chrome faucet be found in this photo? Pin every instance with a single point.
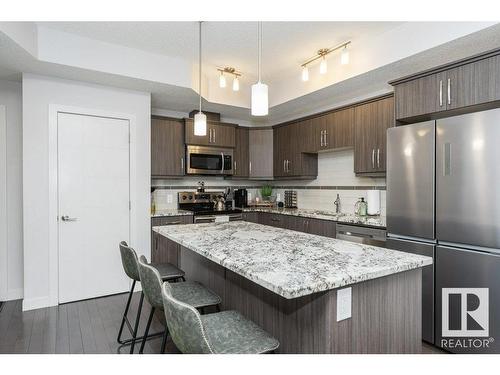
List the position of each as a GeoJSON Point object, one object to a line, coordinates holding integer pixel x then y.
{"type": "Point", "coordinates": [337, 204]}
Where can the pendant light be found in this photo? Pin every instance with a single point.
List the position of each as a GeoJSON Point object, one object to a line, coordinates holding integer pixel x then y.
{"type": "Point", "coordinates": [200, 119]}
{"type": "Point", "coordinates": [260, 98]}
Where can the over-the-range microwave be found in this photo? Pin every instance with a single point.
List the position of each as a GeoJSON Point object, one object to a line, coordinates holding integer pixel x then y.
{"type": "Point", "coordinates": [209, 160]}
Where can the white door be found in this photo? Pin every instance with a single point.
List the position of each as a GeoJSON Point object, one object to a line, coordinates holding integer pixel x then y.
{"type": "Point", "coordinates": [93, 205]}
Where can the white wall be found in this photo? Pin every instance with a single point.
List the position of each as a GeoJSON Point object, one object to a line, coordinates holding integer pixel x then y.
{"type": "Point", "coordinates": [11, 279]}
{"type": "Point", "coordinates": [38, 93]}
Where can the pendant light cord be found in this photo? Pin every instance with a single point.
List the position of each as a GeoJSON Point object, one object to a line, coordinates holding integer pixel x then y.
{"type": "Point", "coordinates": [260, 48]}
{"type": "Point", "coordinates": [199, 64]}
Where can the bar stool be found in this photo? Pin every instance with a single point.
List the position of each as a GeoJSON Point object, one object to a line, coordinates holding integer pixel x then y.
{"type": "Point", "coordinates": [191, 292]}
{"type": "Point", "coordinates": [226, 332]}
{"type": "Point", "coordinates": [168, 272]}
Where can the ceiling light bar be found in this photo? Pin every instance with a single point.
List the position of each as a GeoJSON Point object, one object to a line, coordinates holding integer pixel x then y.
{"type": "Point", "coordinates": [321, 54]}
{"type": "Point", "coordinates": [234, 73]}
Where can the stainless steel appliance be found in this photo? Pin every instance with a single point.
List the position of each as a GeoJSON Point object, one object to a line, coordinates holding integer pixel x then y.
{"type": "Point", "coordinates": [204, 207]}
{"type": "Point", "coordinates": [364, 235]}
{"type": "Point", "coordinates": [443, 180]}
{"type": "Point", "coordinates": [209, 160]}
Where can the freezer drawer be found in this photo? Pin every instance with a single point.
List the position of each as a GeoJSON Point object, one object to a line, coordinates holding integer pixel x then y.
{"type": "Point", "coordinates": [410, 180]}
{"type": "Point", "coordinates": [420, 248]}
{"type": "Point", "coordinates": [461, 268]}
{"type": "Point", "coordinates": [467, 179]}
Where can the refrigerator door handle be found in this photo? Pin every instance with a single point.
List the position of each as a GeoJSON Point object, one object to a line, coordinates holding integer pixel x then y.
{"type": "Point", "coordinates": [446, 159]}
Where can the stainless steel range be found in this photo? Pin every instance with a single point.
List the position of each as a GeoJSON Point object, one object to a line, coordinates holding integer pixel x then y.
{"type": "Point", "coordinates": [205, 208]}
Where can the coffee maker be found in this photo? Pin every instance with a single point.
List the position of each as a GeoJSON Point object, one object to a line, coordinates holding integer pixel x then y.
{"type": "Point", "coordinates": [240, 198]}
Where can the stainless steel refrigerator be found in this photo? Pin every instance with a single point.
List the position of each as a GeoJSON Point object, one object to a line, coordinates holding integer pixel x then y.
{"type": "Point", "coordinates": [443, 200]}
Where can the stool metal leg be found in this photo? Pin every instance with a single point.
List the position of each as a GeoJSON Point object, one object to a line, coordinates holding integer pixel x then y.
{"type": "Point", "coordinates": [124, 319]}
{"type": "Point", "coordinates": [134, 335]}
{"type": "Point", "coordinates": [141, 350]}
{"type": "Point", "coordinates": [164, 342]}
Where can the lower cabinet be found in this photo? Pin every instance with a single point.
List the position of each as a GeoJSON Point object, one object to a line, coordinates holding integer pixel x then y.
{"type": "Point", "coordinates": [162, 249]}
{"type": "Point", "coordinates": [319, 227]}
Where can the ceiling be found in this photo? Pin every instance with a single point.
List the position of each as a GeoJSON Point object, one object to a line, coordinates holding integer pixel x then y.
{"type": "Point", "coordinates": [109, 53]}
{"type": "Point", "coordinates": [286, 45]}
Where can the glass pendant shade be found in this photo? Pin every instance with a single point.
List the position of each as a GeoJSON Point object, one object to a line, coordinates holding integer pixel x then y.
{"type": "Point", "coordinates": [323, 68]}
{"type": "Point", "coordinates": [236, 84]}
{"type": "Point", "coordinates": [260, 100]}
{"type": "Point", "coordinates": [200, 124]}
{"type": "Point", "coordinates": [222, 81]}
{"type": "Point", "coordinates": [344, 57]}
{"type": "Point", "coordinates": [305, 74]}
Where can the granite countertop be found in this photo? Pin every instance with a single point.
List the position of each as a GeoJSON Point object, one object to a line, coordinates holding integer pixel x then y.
{"type": "Point", "coordinates": [171, 212]}
{"type": "Point", "coordinates": [371, 221]}
{"type": "Point", "coordinates": [289, 263]}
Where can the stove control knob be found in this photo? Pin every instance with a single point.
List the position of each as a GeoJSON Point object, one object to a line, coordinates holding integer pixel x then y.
{"type": "Point", "coordinates": [190, 197]}
{"type": "Point", "coordinates": [184, 197]}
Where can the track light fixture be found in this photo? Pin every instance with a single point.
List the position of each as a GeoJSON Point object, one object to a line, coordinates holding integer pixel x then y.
{"type": "Point", "coordinates": [230, 71]}
{"type": "Point", "coordinates": [322, 54]}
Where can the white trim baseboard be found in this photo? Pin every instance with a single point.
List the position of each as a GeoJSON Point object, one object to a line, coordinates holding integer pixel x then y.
{"type": "Point", "coordinates": [37, 303]}
{"type": "Point", "coordinates": [15, 294]}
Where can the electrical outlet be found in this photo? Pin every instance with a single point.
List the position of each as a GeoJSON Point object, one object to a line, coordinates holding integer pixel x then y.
{"type": "Point", "coordinates": [169, 198]}
{"type": "Point", "coordinates": [344, 303]}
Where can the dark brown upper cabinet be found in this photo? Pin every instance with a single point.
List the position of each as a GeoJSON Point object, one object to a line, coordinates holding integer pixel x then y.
{"type": "Point", "coordinates": [241, 152]}
{"type": "Point", "coordinates": [167, 147]}
{"type": "Point", "coordinates": [333, 130]}
{"type": "Point", "coordinates": [218, 134]}
{"type": "Point", "coordinates": [463, 86]}
{"type": "Point", "coordinates": [290, 159]}
{"type": "Point", "coordinates": [371, 121]}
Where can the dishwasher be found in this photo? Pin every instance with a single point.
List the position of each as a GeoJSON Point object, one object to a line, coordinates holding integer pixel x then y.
{"type": "Point", "coordinates": [363, 235]}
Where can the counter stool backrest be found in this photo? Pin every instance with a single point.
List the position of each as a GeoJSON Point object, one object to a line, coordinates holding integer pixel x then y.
{"type": "Point", "coordinates": [151, 283]}
{"type": "Point", "coordinates": [185, 325]}
{"type": "Point", "coordinates": [129, 261]}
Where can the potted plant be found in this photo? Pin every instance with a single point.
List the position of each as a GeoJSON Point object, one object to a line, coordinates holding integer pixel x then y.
{"type": "Point", "coordinates": [265, 192]}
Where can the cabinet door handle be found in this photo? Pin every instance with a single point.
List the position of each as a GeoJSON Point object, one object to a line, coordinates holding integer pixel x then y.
{"type": "Point", "coordinates": [284, 165]}
{"type": "Point", "coordinates": [373, 158]}
{"type": "Point", "coordinates": [449, 91]}
{"type": "Point", "coordinates": [235, 166]}
{"type": "Point", "coordinates": [214, 136]}
{"type": "Point", "coordinates": [250, 167]}
{"type": "Point", "coordinates": [441, 93]}
{"type": "Point", "coordinates": [288, 166]}
{"type": "Point", "coordinates": [321, 139]}
{"type": "Point", "coordinates": [378, 158]}
{"type": "Point", "coordinates": [182, 164]}
{"type": "Point", "coordinates": [326, 138]}
{"type": "Point", "coordinates": [209, 135]}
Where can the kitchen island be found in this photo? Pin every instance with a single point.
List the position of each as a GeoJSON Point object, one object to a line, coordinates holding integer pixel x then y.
{"type": "Point", "coordinates": [287, 282]}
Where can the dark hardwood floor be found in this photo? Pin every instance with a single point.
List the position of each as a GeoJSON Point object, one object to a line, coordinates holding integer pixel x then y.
{"type": "Point", "coordinates": [89, 326]}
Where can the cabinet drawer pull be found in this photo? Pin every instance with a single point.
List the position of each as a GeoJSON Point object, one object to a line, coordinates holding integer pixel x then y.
{"type": "Point", "coordinates": [441, 93]}
{"type": "Point", "coordinates": [172, 223]}
{"type": "Point", "coordinates": [449, 91]}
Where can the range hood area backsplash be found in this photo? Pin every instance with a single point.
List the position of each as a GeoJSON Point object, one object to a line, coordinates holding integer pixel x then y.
{"type": "Point", "coordinates": [335, 176]}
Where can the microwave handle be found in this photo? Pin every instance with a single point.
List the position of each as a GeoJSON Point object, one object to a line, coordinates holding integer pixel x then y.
{"type": "Point", "coordinates": [222, 170]}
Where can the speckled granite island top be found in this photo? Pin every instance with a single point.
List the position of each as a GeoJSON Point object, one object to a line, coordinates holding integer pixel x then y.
{"type": "Point", "coordinates": [171, 212]}
{"type": "Point", "coordinates": [289, 263]}
{"type": "Point", "coordinates": [370, 221]}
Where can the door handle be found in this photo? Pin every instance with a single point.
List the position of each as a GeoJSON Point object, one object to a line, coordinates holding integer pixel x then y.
{"type": "Point", "coordinates": [373, 158]}
{"type": "Point", "coordinates": [284, 165]}
{"type": "Point", "coordinates": [288, 166]}
{"type": "Point", "coordinates": [441, 93]}
{"type": "Point", "coordinates": [250, 167]}
{"type": "Point", "coordinates": [378, 158]}
{"type": "Point", "coordinates": [235, 166]}
{"type": "Point", "coordinates": [326, 138]}
{"type": "Point", "coordinates": [67, 218]}
{"type": "Point", "coordinates": [182, 164]}
{"type": "Point", "coordinates": [449, 91]}
{"type": "Point", "coordinates": [214, 135]}
{"type": "Point", "coordinates": [222, 169]}
{"type": "Point", "coordinates": [321, 138]}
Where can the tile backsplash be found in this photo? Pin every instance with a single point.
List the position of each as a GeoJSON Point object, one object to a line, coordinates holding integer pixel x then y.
{"type": "Point", "coordinates": [335, 176]}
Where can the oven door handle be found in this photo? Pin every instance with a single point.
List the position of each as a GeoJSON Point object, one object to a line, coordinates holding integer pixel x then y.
{"type": "Point", "coordinates": [222, 169]}
{"type": "Point", "coordinates": [207, 219]}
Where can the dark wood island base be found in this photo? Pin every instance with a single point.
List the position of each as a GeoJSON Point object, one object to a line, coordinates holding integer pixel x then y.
{"type": "Point", "coordinates": [386, 312]}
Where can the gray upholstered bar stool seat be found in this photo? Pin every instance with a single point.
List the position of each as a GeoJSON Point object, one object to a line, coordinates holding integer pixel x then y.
{"type": "Point", "coordinates": [190, 292]}
{"type": "Point", "coordinates": [167, 271]}
{"type": "Point", "coordinates": [226, 332]}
